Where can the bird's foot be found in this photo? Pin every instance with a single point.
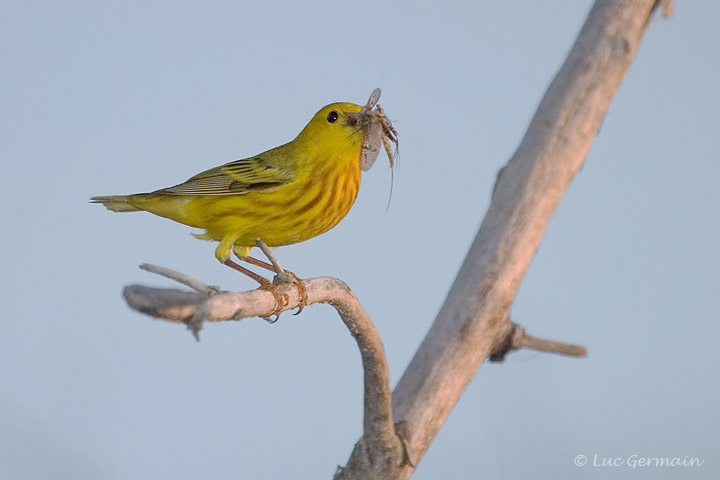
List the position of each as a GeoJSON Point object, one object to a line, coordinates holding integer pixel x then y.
{"type": "Point", "coordinates": [281, 299]}
{"type": "Point", "coordinates": [287, 276]}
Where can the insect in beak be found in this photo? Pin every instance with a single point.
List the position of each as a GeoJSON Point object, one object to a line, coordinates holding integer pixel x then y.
{"type": "Point", "coordinates": [377, 131]}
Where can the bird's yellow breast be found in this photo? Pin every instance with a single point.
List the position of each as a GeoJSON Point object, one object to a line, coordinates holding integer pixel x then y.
{"type": "Point", "coordinates": [285, 195]}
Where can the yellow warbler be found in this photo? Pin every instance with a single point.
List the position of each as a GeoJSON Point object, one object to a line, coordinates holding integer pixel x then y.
{"type": "Point", "coordinates": [282, 196]}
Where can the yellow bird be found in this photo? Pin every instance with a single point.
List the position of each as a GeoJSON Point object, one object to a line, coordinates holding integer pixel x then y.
{"type": "Point", "coordinates": [279, 197]}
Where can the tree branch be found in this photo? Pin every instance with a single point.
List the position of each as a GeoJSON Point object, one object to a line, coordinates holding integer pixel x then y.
{"type": "Point", "coordinates": [473, 323]}
{"type": "Point", "coordinates": [186, 280]}
{"type": "Point", "coordinates": [517, 338]}
{"type": "Point", "coordinates": [380, 443]}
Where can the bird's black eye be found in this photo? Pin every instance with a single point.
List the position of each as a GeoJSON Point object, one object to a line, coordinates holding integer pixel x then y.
{"type": "Point", "coordinates": [332, 116]}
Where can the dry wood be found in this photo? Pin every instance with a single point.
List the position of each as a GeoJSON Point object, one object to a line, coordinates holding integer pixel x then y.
{"type": "Point", "coordinates": [379, 438]}
{"type": "Point", "coordinates": [474, 321]}
{"type": "Point", "coordinates": [473, 324]}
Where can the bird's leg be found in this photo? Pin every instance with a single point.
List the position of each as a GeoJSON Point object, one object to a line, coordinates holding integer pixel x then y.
{"type": "Point", "coordinates": [258, 278]}
{"type": "Point", "coordinates": [281, 275]}
{"type": "Point", "coordinates": [258, 263]}
{"type": "Point", "coordinates": [270, 256]}
{"type": "Point", "coordinates": [265, 284]}
{"type": "Point", "coordinates": [285, 276]}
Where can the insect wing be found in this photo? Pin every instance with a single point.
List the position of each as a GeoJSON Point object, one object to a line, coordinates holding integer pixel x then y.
{"type": "Point", "coordinates": [372, 141]}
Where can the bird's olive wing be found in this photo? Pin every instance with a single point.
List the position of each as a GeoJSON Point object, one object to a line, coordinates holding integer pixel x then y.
{"type": "Point", "coordinates": [238, 177]}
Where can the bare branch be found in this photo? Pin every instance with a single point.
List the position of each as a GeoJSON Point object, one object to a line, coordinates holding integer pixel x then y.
{"type": "Point", "coordinates": [473, 322]}
{"type": "Point", "coordinates": [552, 346]}
{"type": "Point", "coordinates": [667, 7]}
{"type": "Point", "coordinates": [517, 338]}
{"type": "Point", "coordinates": [381, 444]}
{"type": "Point", "coordinates": [186, 280]}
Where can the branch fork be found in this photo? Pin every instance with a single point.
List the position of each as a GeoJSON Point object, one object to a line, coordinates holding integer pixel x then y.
{"type": "Point", "coordinates": [474, 322]}
{"type": "Point", "coordinates": [384, 448]}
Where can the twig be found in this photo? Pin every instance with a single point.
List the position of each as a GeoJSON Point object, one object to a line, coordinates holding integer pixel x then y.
{"type": "Point", "coordinates": [517, 338]}
{"type": "Point", "coordinates": [667, 8]}
{"type": "Point", "coordinates": [552, 346]}
{"type": "Point", "coordinates": [473, 321]}
{"type": "Point", "coordinates": [186, 280]}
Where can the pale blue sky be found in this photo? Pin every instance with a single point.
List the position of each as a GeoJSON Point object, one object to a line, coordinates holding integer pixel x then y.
{"type": "Point", "coordinates": [120, 97]}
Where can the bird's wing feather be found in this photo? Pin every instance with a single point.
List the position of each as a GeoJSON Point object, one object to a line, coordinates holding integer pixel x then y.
{"type": "Point", "coordinates": [234, 178]}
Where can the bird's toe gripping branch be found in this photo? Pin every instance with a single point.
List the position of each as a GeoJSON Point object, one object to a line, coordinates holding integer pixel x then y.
{"type": "Point", "coordinates": [281, 300]}
{"type": "Point", "coordinates": [289, 277]}
{"type": "Point", "coordinates": [282, 277]}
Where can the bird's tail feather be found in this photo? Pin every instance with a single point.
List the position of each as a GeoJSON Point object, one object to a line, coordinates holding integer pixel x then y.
{"type": "Point", "coordinates": [115, 203]}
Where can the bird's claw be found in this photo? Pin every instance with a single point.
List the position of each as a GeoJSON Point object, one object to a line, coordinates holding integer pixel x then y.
{"type": "Point", "coordinates": [287, 276]}
{"type": "Point", "coordinates": [281, 300]}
